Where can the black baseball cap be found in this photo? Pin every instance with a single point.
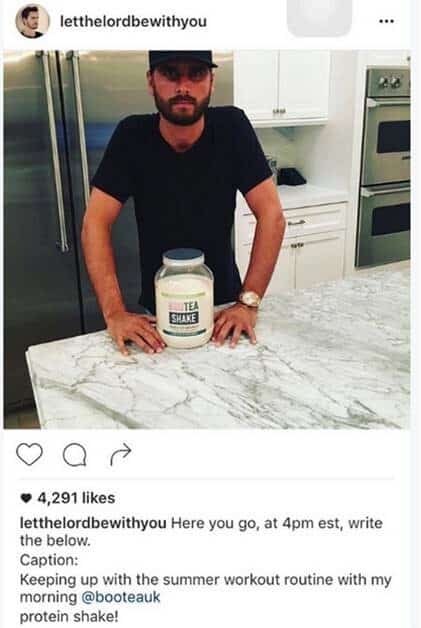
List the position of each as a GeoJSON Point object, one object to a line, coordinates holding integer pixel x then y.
{"type": "Point", "coordinates": [156, 57]}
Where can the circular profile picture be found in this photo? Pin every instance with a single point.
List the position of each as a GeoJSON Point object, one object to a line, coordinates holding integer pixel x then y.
{"type": "Point", "coordinates": [32, 21]}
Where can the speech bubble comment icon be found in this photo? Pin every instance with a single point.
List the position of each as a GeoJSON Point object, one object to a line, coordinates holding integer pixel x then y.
{"type": "Point", "coordinates": [75, 455]}
{"type": "Point", "coordinates": [319, 18]}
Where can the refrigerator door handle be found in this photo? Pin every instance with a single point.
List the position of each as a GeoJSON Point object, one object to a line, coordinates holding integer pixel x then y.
{"type": "Point", "coordinates": [74, 56]}
{"type": "Point", "coordinates": [63, 245]}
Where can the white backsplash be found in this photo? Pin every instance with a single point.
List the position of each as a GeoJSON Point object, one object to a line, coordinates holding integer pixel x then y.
{"type": "Point", "coordinates": [279, 143]}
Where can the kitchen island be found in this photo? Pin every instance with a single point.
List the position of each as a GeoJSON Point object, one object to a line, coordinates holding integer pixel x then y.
{"type": "Point", "coordinates": [333, 356]}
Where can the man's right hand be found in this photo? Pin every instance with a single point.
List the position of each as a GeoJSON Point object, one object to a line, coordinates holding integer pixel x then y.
{"type": "Point", "coordinates": [137, 328]}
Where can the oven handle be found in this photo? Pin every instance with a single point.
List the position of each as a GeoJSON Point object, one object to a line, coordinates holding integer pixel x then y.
{"type": "Point", "coordinates": [372, 102]}
{"type": "Point", "coordinates": [366, 193]}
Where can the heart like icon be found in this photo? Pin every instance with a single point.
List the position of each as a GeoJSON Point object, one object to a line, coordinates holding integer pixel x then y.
{"type": "Point", "coordinates": [26, 497]}
{"type": "Point", "coordinates": [29, 454]}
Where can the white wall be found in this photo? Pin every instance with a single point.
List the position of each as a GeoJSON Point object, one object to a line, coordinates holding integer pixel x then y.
{"type": "Point", "coordinates": [324, 153]}
{"type": "Point", "coordinates": [279, 143]}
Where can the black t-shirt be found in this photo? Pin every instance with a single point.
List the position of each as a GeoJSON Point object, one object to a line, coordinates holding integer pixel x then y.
{"type": "Point", "coordinates": [37, 34]}
{"type": "Point", "coordinates": [184, 199]}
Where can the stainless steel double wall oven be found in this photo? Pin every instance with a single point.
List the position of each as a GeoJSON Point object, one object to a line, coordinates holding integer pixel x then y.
{"type": "Point", "coordinates": [384, 211]}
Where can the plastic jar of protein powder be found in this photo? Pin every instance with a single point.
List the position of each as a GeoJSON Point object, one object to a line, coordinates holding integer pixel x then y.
{"type": "Point", "coordinates": [184, 299]}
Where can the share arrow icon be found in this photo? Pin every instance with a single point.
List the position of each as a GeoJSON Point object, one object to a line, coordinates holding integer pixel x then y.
{"type": "Point", "coordinates": [118, 452]}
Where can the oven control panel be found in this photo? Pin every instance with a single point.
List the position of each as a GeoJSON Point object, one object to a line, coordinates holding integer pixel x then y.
{"type": "Point", "coordinates": [391, 82]}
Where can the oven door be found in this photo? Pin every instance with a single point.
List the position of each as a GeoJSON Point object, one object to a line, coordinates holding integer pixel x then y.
{"type": "Point", "coordinates": [386, 155]}
{"type": "Point", "coordinates": [384, 225]}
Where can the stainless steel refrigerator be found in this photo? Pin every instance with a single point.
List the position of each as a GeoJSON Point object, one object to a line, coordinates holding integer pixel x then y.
{"type": "Point", "coordinates": [60, 109]}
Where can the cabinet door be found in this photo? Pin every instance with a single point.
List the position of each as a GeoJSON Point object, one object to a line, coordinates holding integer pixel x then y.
{"type": "Point", "coordinates": [242, 258]}
{"type": "Point", "coordinates": [283, 277]}
{"type": "Point", "coordinates": [256, 82]}
{"type": "Point", "coordinates": [319, 258]}
{"type": "Point", "coordinates": [304, 78]}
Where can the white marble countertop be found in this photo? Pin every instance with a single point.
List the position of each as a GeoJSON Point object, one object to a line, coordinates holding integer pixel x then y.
{"type": "Point", "coordinates": [307, 195]}
{"type": "Point", "coordinates": [298, 196]}
{"type": "Point", "coordinates": [333, 356]}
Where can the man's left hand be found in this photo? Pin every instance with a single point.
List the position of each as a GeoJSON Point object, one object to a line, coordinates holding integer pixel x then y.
{"type": "Point", "coordinates": [234, 320]}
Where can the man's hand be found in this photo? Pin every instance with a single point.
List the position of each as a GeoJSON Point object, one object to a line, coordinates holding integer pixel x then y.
{"type": "Point", "coordinates": [137, 328]}
{"type": "Point", "coordinates": [235, 319]}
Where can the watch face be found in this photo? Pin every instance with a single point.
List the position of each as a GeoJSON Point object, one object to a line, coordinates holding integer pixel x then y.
{"type": "Point", "coordinates": [250, 298]}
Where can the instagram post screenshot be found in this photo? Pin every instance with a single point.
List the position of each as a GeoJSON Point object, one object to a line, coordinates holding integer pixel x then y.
{"type": "Point", "coordinates": [210, 312]}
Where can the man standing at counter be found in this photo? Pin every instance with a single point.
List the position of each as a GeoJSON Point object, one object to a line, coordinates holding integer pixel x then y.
{"type": "Point", "coordinates": [183, 166]}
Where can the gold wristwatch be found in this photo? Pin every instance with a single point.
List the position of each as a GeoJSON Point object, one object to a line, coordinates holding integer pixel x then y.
{"type": "Point", "coordinates": [249, 298]}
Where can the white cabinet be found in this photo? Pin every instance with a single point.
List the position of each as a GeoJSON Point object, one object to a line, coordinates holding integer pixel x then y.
{"type": "Point", "coordinates": [304, 78]}
{"type": "Point", "coordinates": [283, 277]}
{"type": "Point", "coordinates": [255, 82]}
{"type": "Point", "coordinates": [304, 262]}
{"type": "Point", "coordinates": [312, 251]}
{"type": "Point", "coordinates": [282, 88]}
{"type": "Point", "coordinates": [319, 258]}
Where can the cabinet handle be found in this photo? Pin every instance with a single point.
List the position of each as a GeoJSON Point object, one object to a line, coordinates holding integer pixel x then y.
{"type": "Point", "coordinates": [300, 245]}
{"type": "Point", "coordinates": [293, 246]}
{"type": "Point", "coordinates": [282, 110]}
{"type": "Point", "coordinates": [298, 222]}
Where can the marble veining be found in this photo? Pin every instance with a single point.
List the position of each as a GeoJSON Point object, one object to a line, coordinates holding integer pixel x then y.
{"type": "Point", "coordinates": [332, 356]}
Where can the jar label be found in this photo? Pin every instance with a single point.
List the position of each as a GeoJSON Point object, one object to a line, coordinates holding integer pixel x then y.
{"type": "Point", "coordinates": [184, 314]}
{"type": "Point", "coordinates": [184, 309]}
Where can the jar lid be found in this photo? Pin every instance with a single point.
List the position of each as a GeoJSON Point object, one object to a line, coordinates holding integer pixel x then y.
{"type": "Point", "coordinates": [183, 257]}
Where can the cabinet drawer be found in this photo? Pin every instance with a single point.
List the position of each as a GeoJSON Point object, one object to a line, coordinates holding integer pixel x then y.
{"type": "Point", "coordinates": [299, 222]}
{"type": "Point", "coordinates": [318, 219]}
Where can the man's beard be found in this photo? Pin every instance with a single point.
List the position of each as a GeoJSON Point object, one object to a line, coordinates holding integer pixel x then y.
{"type": "Point", "coordinates": [181, 118]}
